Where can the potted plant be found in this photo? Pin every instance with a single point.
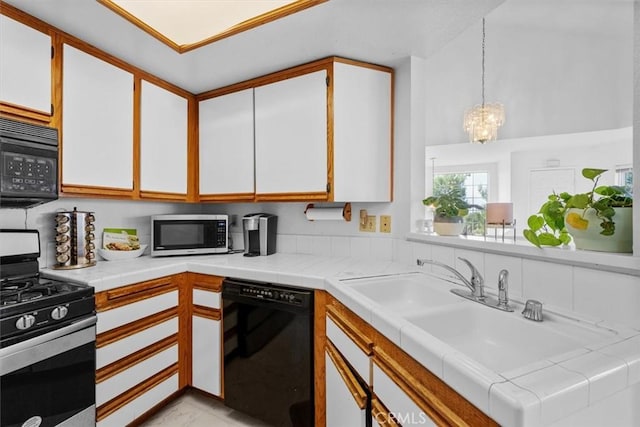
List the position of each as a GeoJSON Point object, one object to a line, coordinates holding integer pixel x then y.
{"type": "Point", "coordinates": [600, 219]}
{"type": "Point", "coordinates": [450, 207]}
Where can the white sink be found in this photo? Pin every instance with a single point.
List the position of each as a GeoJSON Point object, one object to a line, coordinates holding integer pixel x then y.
{"type": "Point", "coordinates": [403, 294]}
{"type": "Point", "coordinates": [503, 341]}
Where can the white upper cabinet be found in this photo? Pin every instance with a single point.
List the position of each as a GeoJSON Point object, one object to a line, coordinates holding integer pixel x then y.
{"type": "Point", "coordinates": [320, 132]}
{"type": "Point", "coordinates": [226, 145]}
{"type": "Point", "coordinates": [97, 126]}
{"type": "Point", "coordinates": [163, 140]}
{"type": "Point", "coordinates": [291, 135]}
{"type": "Point", "coordinates": [362, 137]}
{"type": "Point", "coordinates": [25, 66]}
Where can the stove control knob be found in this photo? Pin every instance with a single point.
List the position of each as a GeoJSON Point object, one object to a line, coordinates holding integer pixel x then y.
{"type": "Point", "coordinates": [60, 312]}
{"type": "Point", "coordinates": [25, 322]}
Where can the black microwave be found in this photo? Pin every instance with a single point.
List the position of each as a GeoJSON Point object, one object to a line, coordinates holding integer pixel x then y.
{"type": "Point", "coordinates": [28, 164]}
{"type": "Point", "coordinates": [189, 234]}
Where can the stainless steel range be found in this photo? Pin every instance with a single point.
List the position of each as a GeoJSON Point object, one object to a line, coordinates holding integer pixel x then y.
{"type": "Point", "coordinates": [47, 341]}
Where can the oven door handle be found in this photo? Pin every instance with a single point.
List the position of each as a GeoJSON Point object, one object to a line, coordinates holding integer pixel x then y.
{"type": "Point", "coordinates": [39, 348]}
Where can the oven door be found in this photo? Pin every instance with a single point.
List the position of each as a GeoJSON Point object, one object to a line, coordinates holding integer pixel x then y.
{"type": "Point", "coordinates": [49, 380]}
{"type": "Point", "coordinates": [172, 235]}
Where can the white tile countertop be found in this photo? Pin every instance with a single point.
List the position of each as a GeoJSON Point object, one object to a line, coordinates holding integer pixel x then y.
{"type": "Point", "coordinates": [538, 394]}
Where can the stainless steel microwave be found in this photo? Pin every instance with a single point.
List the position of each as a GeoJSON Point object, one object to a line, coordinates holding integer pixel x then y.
{"type": "Point", "coordinates": [189, 234]}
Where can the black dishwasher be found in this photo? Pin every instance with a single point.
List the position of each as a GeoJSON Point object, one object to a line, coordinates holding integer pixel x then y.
{"type": "Point", "coordinates": [268, 345]}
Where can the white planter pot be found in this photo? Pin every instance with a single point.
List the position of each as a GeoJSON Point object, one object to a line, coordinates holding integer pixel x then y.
{"type": "Point", "coordinates": [591, 239]}
{"type": "Point", "coordinates": [448, 226]}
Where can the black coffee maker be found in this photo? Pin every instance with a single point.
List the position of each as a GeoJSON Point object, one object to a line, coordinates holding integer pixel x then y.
{"type": "Point", "coordinates": [259, 234]}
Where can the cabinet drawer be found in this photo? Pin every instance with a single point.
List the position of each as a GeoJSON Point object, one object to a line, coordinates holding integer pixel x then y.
{"type": "Point", "coordinates": [141, 404]}
{"type": "Point", "coordinates": [128, 313]}
{"type": "Point", "coordinates": [127, 379]}
{"type": "Point", "coordinates": [396, 400]}
{"type": "Point", "coordinates": [206, 299]}
{"type": "Point", "coordinates": [121, 348]}
{"type": "Point", "coordinates": [358, 359]}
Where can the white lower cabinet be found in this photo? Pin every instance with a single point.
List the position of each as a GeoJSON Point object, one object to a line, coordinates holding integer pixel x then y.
{"type": "Point", "coordinates": [138, 358]}
{"type": "Point", "coordinates": [399, 405]}
{"type": "Point", "coordinates": [206, 355]}
{"type": "Point", "coordinates": [346, 403]}
{"type": "Point", "coordinates": [141, 404]}
{"type": "Point", "coordinates": [126, 380]}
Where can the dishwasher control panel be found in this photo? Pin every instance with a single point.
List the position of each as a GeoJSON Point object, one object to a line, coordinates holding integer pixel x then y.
{"type": "Point", "coordinates": [268, 293]}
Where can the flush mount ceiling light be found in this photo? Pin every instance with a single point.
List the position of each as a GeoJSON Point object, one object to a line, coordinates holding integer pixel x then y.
{"type": "Point", "coordinates": [188, 24]}
{"type": "Point", "coordinates": [482, 121]}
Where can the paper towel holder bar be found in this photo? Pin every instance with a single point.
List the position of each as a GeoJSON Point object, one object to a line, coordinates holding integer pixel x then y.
{"type": "Point", "coordinates": [346, 211]}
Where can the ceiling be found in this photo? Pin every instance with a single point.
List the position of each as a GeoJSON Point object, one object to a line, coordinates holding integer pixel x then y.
{"type": "Point", "coordinates": [379, 31]}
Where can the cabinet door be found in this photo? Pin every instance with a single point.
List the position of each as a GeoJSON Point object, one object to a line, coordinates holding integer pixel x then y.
{"type": "Point", "coordinates": [362, 134]}
{"type": "Point", "coordinates": [346, 403]}
{"type": "Point", "coordinates": [291, 135]}
{"type": "Point", "coordinates": [97, 122]}
{"type": "Point", "coordinates": [206, 352]}
{"type": "Point", "coordinates": [163, 140]}
{"type": "Point", "coordinates": [25, 68]}
{"type": "Point", "coordinates": [226, 145]}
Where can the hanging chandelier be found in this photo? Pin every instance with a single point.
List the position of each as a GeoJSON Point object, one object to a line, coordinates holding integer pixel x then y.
{"type": "Point", "coordinates": [482, 121]}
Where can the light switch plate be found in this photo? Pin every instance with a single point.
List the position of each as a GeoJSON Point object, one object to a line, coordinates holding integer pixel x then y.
{"type": "Point", "coordinates": [385, 223]}
{"type": "Point", "coordinates": [369, 225]}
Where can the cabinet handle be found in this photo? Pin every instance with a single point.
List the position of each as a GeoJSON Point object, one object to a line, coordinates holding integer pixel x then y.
{"type": "Point", "coordinates": [348, 377]}
{"type": "Point", "coordinates": [361, 340]}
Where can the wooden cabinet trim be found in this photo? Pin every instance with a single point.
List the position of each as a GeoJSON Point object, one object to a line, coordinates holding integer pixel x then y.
{"type": "Point", "coordinates": [356, 390]}
{"type": "Point", "coordinates": [118, 402]}
{"type": "Point", "coordinates": [205, 282]}
{"type": "Point", "coordinates": [93, 192]}
{"type": "Point", "coordinates": [207, 312]}
{"type": "Point", "coordinates": [117, 297]}
{"type": "Point", "coordinates": [228, 197]}
{"type": "Point", "coordinates": [352, 331]}
{"type": "Point", "coordinates": [381, 414]}
{"type": "Point", "coordinates": [13, 111]}
{"type": "Point", "coordinates": [299, 70]}
{"type": "Point", "coordinates": [132, 328]}
{"type": "Point", "coordinates": [291, 197]}
{"type": "Point", "coordinates": [193, 150]}
{"type": "Point", "coordinates": [133, 359]}
{"type": "Point", "coordinates": [319, 340]}
{"type": "Point", "coordinates": [157, 195]}
{"type": "Point", "coordinates": [185, 324]}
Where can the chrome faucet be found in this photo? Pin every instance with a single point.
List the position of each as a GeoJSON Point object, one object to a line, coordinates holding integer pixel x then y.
{"type": "Point", "coordinates": [476, 285]}
{"type": "Point", "coordinates": [503, 291]}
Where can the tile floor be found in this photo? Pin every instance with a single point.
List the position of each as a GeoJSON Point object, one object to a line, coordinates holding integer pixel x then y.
{"type": "Point", "coordinates": [194, 410]}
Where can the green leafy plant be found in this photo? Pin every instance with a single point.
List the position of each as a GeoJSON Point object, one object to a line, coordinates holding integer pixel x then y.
{"type": "Point", "coordinates": [547, 227]}
{"type": "Point", "coordinates": [448, 203]}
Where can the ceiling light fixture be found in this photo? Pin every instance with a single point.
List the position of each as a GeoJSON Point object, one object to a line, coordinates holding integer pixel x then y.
{"type": "Point", "coordinates": [482, 121]}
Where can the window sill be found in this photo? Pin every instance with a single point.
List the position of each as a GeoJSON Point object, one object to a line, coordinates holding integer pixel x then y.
{"type": "Point", "coordinates": [618, 263]}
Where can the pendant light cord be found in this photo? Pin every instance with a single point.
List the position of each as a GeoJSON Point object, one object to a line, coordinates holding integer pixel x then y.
{"type": "Point", "coordinates": [483, 38]}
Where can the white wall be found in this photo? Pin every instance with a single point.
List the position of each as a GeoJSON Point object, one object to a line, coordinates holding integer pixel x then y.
{"type": "Point", "coordinates": [557, 66]}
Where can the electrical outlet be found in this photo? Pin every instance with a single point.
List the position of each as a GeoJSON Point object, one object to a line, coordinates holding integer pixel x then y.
{"type": "Point", "coordinates": [385, 223]}
{"type": "Point", "coordinates": [369, 225]}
